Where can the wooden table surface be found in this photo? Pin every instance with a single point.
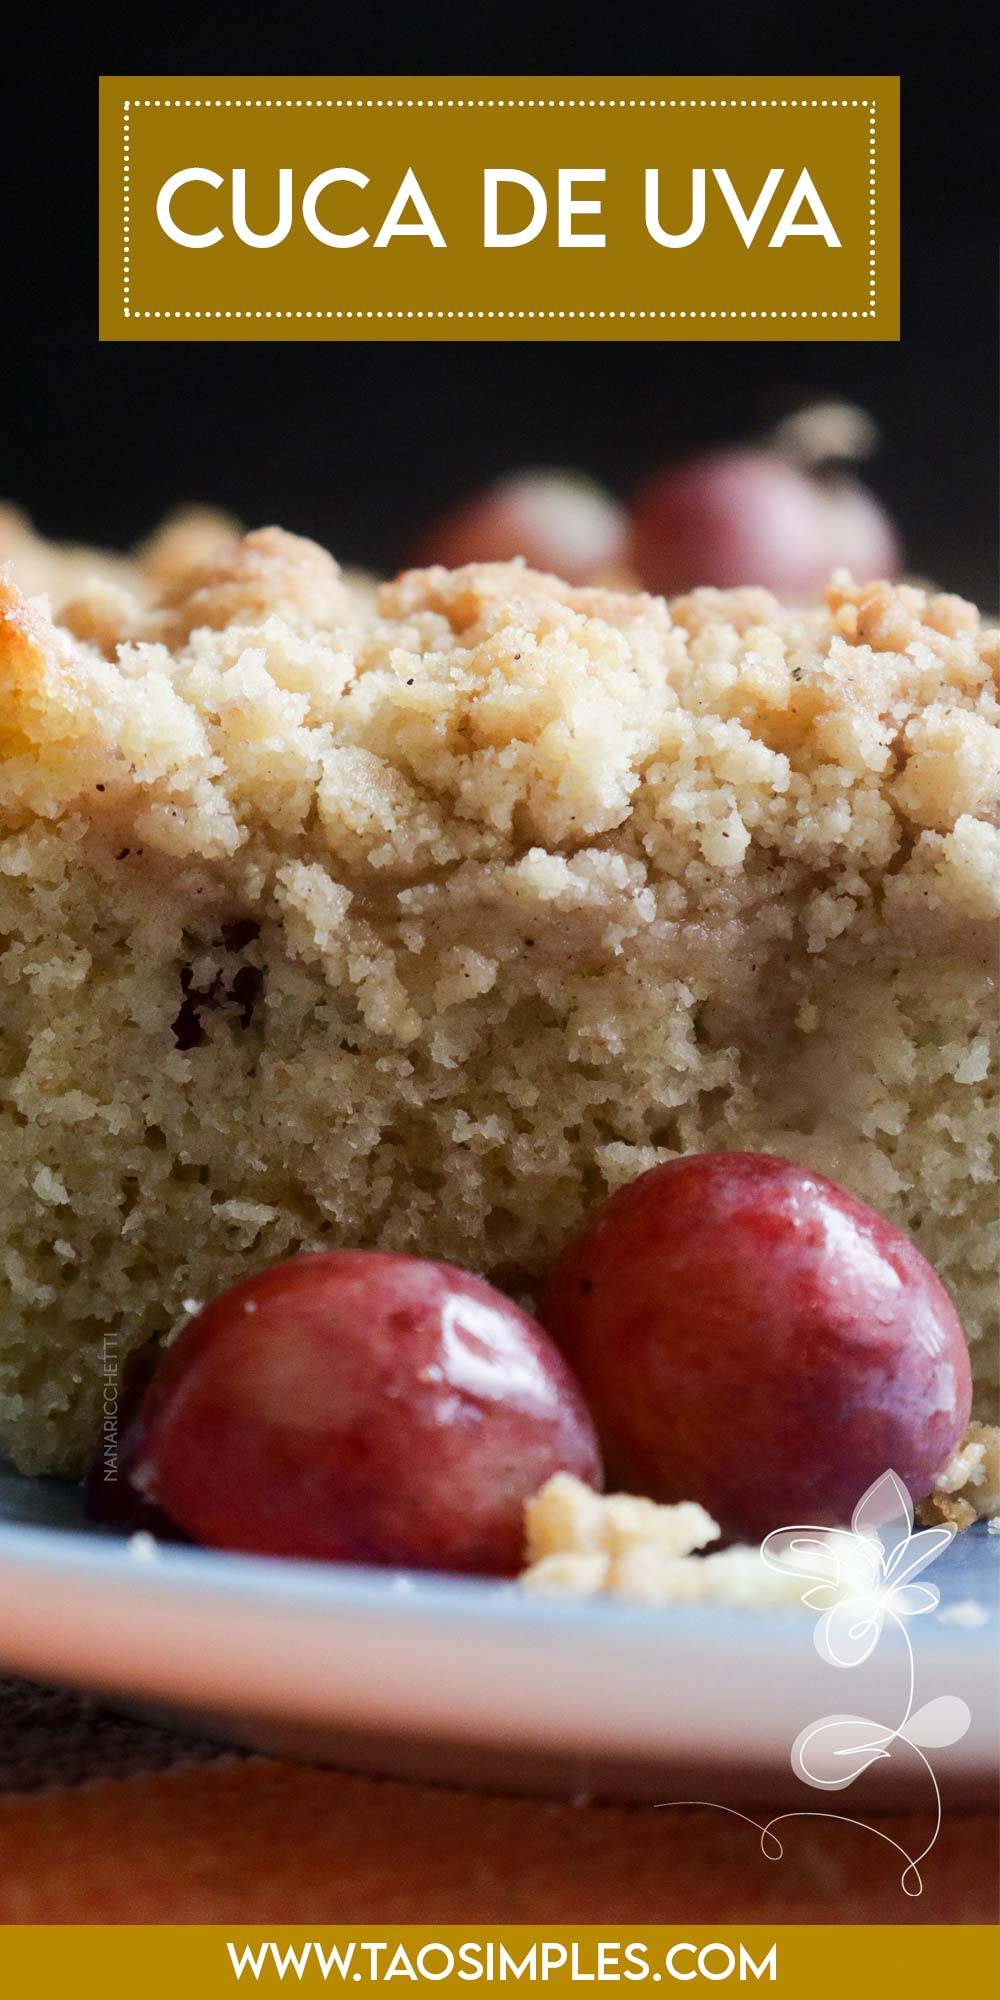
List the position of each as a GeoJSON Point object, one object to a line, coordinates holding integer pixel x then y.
{"type": "Point", "coordinates": [104, 1820]}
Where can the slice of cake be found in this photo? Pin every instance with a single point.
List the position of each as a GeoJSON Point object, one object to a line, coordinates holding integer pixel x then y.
{"type": "Point", "coordinates": [421, 922]}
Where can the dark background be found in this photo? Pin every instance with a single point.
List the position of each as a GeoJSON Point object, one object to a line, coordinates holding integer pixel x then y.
{"type": "Point", "coordinates": [358, 444]}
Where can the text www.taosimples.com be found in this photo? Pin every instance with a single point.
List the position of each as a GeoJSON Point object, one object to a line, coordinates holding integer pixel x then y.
{"type": "Point", "coordinates": [377, 1961]}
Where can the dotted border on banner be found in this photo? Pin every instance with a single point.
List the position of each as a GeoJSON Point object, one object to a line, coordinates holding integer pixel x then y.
{"type": "Point", "coordinates": [492, 104]}
{"type": "Point", "coordinates": [498, 312]}
{"type": "Point", "coordinates": [500, 103]}
{"type": "Point", "coordinates": [126, 205]}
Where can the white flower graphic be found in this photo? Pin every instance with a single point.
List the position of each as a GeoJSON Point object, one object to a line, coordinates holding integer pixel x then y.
{"type": "Point", "coordinates": [861, 1579]}
{"type": "Point", "coordinates": [861, 1575]}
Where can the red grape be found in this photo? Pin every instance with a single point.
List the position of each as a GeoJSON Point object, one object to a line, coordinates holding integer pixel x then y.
{"type": "Point", "coordinates": [741, 516]}
{"type": "Point", "coordinates": [555, 521]}
{"type": "Point", "coordinates": [751, 1336]}
{"type": "Point", "coordinates": [364, 1407]}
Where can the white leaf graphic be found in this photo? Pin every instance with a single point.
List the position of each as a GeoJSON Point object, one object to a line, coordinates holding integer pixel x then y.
{"type": "Point", "coordinates": [832, 1752]}
{"type": "Point", "coordinates": [886, 1513]}
{"type": "Point", "coordinates": [848, 1634]}
{"type": "Point", "coordinates": [824, 1555]}
{"type": "Point", "coordinates": [908, 1559]}
{"type": "Point", "coordinates": [820, 1597]}
{"type": "Point", "coordinates": [908, 1600]}
{"type": "Point", "coordinates": [940, 1722]}
{"type": "Point", "coordinates": [803, 1551]}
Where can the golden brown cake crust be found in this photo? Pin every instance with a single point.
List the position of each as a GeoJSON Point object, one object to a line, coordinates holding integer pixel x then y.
{"type": "Point", "coordinates": [424, 919]}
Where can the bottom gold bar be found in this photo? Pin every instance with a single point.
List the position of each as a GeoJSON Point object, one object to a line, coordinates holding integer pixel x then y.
{"type": "Point", "coordinates": [811, 1960]}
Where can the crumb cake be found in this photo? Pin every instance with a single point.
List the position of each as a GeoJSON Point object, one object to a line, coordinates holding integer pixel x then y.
{"type": "Point", "coordinates": [65, 571]}
{"type": "Point", "coordinates": [422, 920]}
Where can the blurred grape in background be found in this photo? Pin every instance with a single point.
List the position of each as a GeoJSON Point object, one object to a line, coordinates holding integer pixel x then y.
{"type": "Point", "coordinates": [785, 510]}
{"type": "Point", "coordinates": [365, 446]}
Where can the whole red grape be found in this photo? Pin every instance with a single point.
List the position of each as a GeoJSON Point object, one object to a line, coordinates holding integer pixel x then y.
{"type": "Point", "coordinates": [749, 1335]}
{"type": "Point", "coordinates": [555, 520]}
{"type": "Point", "coordinates": [360, 1406]}
{"type": "Point", "coordinates": [740, 516]}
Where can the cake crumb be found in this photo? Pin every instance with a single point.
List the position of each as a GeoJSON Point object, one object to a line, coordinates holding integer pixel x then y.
{"type": "Point", "coordinates": [143, 1547]}
{"type": "Point", "coordinates": [967, 1489]}
{"type": "Point", "coordinates": [581, 1544]}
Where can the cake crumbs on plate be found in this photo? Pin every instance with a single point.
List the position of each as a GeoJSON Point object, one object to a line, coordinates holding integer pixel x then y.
{"type": "Point", "coordinates": [968, 1487]}
{"type": "Point", "coordinates": [143, 1547]}
{"type": "Point", "coordinates": [584, 1544]}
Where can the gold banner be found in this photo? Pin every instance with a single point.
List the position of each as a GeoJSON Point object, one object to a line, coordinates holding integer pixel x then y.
{"type": "Point", "coordinates": [503, 207]}
{"type": "Point", "coordinates": [803, 1962]}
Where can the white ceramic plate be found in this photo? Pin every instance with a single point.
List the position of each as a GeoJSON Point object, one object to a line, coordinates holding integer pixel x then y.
{"type": "Point", "coordinates": [472, 1682]}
